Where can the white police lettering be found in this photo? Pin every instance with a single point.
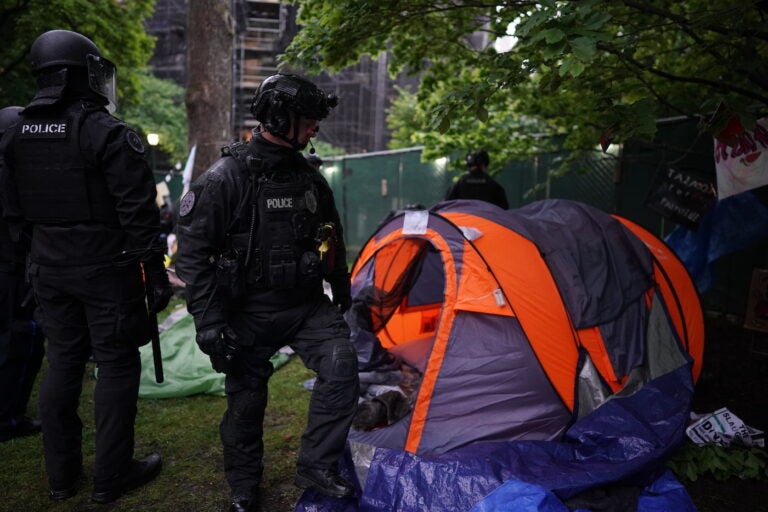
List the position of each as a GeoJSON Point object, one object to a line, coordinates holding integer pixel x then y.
{"type": "Point", "coordinates": [44, 128]}
{"type": "Point", "coordinates": [279, 203]}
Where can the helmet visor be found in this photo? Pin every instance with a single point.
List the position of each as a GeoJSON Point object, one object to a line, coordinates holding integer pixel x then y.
{"type": "Point", "coordinates": [101, 79]}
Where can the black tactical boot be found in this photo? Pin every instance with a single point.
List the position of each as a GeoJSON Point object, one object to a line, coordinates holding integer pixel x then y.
{"type": "Point", "coordinates": [64, 491]}
{"type": "Point", "coordinates": [245, 502]}
{"type": "Point", "coordinates": [326, 481]}
{"type": "Point", "coordinates": [140, 472]}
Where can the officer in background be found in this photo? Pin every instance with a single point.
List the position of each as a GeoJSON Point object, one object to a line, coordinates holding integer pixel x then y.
{"type": "Point", "coordinates": [78, 185]}
{"type": "Point", "coordinates": [258, 233]}
{"type": "Point", "coordinates": [476, 183]}
{"type": "Point", "coordinates": [21, 340]}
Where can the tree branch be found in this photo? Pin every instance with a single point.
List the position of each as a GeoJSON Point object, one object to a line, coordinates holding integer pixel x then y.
{"type": "Point", "coordinates": [683, 21]}
{"type": "Point", "coordinates": [716, 84]}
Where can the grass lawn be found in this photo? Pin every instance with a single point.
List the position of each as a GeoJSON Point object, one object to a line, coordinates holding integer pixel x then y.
{"type": "Point", "coordinates": [185, 432]}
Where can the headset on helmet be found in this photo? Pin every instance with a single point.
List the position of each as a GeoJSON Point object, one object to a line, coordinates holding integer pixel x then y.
{"type": "Point", "coordinates": [279, 95]}
{"type": "Point", "coordinates": [58, 49]}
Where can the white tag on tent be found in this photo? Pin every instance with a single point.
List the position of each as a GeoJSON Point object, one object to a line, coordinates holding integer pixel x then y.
{"type": "Point", "coordinates": [497, 293]}
{"type": "Point", "coordinates": [471, 233]}
{"type": "Point", "coordinates": [415, 222]}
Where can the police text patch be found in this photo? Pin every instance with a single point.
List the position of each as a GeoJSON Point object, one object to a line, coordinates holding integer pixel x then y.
{"type": "Point", "coordinates": [44, 128]}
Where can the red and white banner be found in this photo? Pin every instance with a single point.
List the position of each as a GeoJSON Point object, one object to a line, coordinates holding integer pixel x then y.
{"type": "Point", "coordinates": [744, 164]}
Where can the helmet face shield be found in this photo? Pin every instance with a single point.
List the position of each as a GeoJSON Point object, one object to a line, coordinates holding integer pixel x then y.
{"type": "Point", "coordinates": [102, 79]}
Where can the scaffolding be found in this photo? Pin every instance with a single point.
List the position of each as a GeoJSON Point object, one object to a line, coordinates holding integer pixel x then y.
{"type": "Point", "coordinates": [260, 26]}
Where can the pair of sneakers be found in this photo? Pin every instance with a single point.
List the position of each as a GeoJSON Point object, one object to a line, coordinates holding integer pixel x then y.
{"type": "Point", "coordinates": [139, 473]}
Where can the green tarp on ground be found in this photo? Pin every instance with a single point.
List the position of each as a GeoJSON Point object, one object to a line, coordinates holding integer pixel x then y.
{"type": "Point", "coordinates": [187, 370]}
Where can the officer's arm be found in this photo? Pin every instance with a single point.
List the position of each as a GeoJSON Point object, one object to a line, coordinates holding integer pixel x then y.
{"type": "Point", "coordinates": [120, 154]}
{"type": "Point", "coordinates": [204, 217]}
{"type": "Point", "coordinates": [10, 208]}
{"type": "Point", "coordinates": [339, 276]}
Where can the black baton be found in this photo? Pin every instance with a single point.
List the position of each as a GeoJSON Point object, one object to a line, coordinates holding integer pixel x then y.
{"type": "Point", "coordinates": [157, 357]}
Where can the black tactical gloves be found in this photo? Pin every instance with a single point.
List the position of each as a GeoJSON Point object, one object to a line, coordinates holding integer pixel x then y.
{"type": "Point", "coordinates": [343, 302]}
{"type": "Point", "coordinates": [157, 280]}
{"type": "Point", "coordinates": [342, 297]}
{"type": "Point", "coordinates": [220, 344]}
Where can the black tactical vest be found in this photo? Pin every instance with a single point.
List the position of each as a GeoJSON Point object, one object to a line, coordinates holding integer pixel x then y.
{"type": "Point", "coordinates": [289, 220]}
{"type": "Point", "coordinates": [55, 183]}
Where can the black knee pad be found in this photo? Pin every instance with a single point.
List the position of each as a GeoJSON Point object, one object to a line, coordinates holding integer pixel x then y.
{"type": "Point", "coordinates": [343, 361]}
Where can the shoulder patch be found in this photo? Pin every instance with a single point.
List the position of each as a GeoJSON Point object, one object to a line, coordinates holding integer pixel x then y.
{"type": "Point", "coordinates": [134, 141]}
{"type": "Point", "coordinates": [187, 203]}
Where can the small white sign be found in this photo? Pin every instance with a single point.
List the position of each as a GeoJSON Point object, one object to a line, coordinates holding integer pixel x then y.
{"type": "Point", "coordinates": [415, 222]}
{"type": "Point", "coordinates": [722, 428]}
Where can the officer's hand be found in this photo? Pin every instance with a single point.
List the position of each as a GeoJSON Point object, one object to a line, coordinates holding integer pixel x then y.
{"type": "Point", "coordinates": [161, 285]}
{"type": "Point", "coordinates": [220, 344]}
{"type": "Point", "coordinates": [343, 302]}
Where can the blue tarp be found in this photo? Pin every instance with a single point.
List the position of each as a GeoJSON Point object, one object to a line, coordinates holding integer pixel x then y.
{"type": "Point", "coordinates": [733, 224]}
{"type": "Point", "coordinates": [627, 441]}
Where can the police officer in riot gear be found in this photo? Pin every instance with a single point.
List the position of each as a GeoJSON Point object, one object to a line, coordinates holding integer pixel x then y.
{"type": "Point", "coordinates": [476, 183]}
{"type": "Point", "coordinates": [258, 234]}
{"type": "Point", "coordinates": [80, 192]}
{"type": "Point", "coordinates": [21, 339]}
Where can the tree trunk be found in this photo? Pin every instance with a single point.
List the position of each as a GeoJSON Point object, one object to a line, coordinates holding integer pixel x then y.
{"type": "Point", "coordinates": [210, 36]}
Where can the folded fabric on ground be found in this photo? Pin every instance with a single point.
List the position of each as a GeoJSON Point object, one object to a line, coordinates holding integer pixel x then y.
{"type": "Point", "coordinates": [186, 369]}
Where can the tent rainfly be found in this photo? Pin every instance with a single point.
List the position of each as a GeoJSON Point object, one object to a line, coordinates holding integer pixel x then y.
{"type": "Point", "coordinates": [557, 348]}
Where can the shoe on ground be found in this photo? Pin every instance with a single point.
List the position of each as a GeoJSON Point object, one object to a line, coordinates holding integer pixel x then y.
{"type": "Point", "coordinates": [24, 427]}
{"type": "Point", "coordinates": [67, 490]}
{"type": "Point", "coordinates": [325, 481]}
{"type": "Point", "coordinates": [141, 472]}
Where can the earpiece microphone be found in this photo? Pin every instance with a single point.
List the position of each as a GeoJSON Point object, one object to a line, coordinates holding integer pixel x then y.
{"type": "Point", "coordinates": [311, 147]}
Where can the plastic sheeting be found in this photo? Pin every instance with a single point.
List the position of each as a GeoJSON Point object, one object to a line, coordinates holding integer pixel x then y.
{"type": "Point", "coordinates": [733, 224]}
{"type": "Point", "coordinates": [626, 440]}
{"type": "Point", "coordinates": [187, 370]}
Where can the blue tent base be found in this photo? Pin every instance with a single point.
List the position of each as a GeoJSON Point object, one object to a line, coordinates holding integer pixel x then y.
{"type": "Point", "coordinates": [627, 440]}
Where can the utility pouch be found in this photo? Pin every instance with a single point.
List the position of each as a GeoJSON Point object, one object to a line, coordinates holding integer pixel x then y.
{"type": "Point", "coordinates": [230, 275]}
{"type": "Point", "coordinates": [281, 268]}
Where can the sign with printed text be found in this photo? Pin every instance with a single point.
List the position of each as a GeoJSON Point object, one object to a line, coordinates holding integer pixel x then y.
{"type": "Point", "coordinates": [680, 196]}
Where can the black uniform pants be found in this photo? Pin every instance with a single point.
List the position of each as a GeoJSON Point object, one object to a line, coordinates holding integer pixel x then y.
{"type": "Point", "coordinates": [99, 311]}
{"type": "Point", "coordinates": [320, 336]}
{"type": "Point", "coordinates": [21, 349]}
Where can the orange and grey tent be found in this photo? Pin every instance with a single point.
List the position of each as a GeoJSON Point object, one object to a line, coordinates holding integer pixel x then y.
{"type": "Point", "coordinates": [557, 348]}
{"type": "Point", "coordinates": [521, 321]}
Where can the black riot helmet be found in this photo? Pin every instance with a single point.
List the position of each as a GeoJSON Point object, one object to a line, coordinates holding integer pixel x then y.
{"type": "Point", "coordinates": [478, 158]}
{"type": "Point", "coordinates": [280, 95]}
{"type": "Point", "coordinates": [63, 49]}
{"type": "Point", "coordinates": [8, 116]}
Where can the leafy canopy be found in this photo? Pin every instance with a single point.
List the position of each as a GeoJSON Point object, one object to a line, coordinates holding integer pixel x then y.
{"type": "Point", "coordinates": [147, 103]}
{"type": "Point", "coordinates": [117, 28]}
{"type": "Point", "coordinates": [584, 69]}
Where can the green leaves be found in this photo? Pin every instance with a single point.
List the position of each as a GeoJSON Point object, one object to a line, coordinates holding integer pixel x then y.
{"type": "Point", "coordinates": [693, 461]}
{"type": "Point", "coordinates": [574, 68]}
{"type": "Point", "coordinates": [116, 27]}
